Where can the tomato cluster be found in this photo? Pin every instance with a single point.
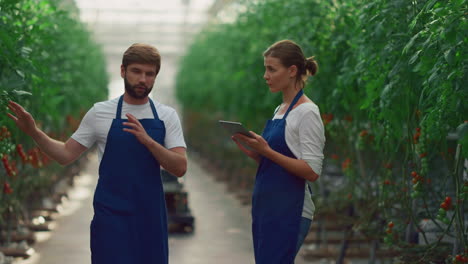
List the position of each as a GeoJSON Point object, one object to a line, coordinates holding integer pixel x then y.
{"type": "Point", "coordinates": [390, 235]}
{"type": "Point", "coordinates": [327, 118]}
{"type": "Point", "coordinates": [361, 139]}
{"type": "Point", "coordinates": [35, 158]}
{"type": "Point", "coordinates": [460, 259]}
{"type": "Point", "coordinates": [445, 206]}
{"type": "Point", "coordinates": [6, 188]}
{"type": "Point", "coordinates": [421, 151]}
{"type": "Point", "coordinates": [10, 167]}
{"type": "Point", "coordinates": [6, 144]}
{"type": "Point", "coordinates": [346, 164]}
{"type": "Point", "coordinates": [21, 153]}
{"type": "Point", "coordinates": [417, 135]}
{"type": "Point", "coordinates": [390, 227]}
{"type": "Point", "coordinates": [418, 181]}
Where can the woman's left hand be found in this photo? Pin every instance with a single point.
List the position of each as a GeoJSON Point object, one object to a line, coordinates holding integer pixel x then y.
{"type": "Point", "coordinates": [257, 143]}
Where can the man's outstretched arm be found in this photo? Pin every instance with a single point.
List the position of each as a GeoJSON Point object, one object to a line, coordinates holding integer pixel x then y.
{"type": "Point", "coordinates": [62, 152]}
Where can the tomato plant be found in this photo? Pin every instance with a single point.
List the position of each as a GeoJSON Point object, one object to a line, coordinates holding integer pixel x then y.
{"type": "Point", "coordinates": [391, 88]}
{"type": "Point", "coordinates": [50, 65]}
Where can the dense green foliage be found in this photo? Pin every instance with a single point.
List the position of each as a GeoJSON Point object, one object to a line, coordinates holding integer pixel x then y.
{"type": "Point", "coordinates": [391, 87]}
{"type": "Point", "coordinates": [51, 66]}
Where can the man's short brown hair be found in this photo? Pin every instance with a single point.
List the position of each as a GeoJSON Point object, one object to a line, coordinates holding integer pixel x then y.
{"type": "Point", "coordinates": [143, 54]}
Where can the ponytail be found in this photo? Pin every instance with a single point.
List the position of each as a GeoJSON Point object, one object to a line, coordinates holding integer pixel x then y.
{"type": "Point", "coordinates": [311, 66]}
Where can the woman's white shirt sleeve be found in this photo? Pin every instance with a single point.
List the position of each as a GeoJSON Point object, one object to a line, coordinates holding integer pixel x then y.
{"type": "Point", "coordinates": [311, 139]}
{"type": "Point", "coordinates": [305, 135]}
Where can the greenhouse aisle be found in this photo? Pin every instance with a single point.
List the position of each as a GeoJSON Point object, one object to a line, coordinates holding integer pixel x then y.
{"type": "Point", "coordinates": [222, 226]}
{"type": "Point", "coordinates": [394, 182]}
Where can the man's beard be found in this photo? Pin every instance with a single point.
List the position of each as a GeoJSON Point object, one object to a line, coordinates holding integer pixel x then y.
{"type": "Point", "coordinates": [131, 90]}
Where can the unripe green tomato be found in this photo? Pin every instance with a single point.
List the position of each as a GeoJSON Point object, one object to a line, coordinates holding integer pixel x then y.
{"type": "Point", "coordinates": [360, 145]}
{"type": "Point", "coordinates": [442, 212]}
{"type": "Point", "coordinates": [465, 189]}
{"type": "Point", "coordinates": [422, 148]}
{"type": "Point", "coordinates": [424, 165]}
{"type": "Point", "coordinates": [424, 170]}
{"type": "Point", "coordinates": [387, 240]}
{"type": "Point", "coordinates": [446, 220]}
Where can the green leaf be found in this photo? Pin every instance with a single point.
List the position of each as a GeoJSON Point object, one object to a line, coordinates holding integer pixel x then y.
{"type": "Point", "coordinates": [464, 143]}
{"type": "Point", "coordinates": [410, 43]}
{"type": "Point", "coordinates": [415, 57]}
{"type": "Point", "coordinates": [430, 4]}
{"type": "Point", "coordinates": [462, 131]}
{"type": "Point", "coordinates": [449, 56]}
{"type": "Point", "coordinates": [21, 93]}
{"type": "Point", "coordinates": [20, 73]}
{"type": "Point", "coordinates": [25, 51]}
{"type": "Point", "coordinates": [451, 75]}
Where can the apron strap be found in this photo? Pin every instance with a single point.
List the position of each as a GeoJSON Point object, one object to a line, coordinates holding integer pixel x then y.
{"type": "Point", "coordinates": [153, 108]}
{"type": "Point", "coordinates": [298, 95]}
{"type": "Point", "coordinates": [118, 115]}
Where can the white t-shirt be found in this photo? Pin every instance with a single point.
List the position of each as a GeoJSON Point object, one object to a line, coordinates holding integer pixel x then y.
{"type": "Point", "coordinates": [305, 137]}
{"type": "Point", "coordinates": [96, 123]}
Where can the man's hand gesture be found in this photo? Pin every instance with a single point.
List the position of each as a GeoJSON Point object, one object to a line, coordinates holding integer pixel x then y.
{"type": "Point", "coordinates": [137, 129]}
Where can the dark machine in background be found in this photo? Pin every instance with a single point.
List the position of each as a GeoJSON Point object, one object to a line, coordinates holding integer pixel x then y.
{"type": "Point", "coordinates": [180, 218]}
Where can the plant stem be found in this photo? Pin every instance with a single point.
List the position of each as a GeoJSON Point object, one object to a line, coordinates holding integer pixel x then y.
{"type": "Point", "coordinates": [459, 226]}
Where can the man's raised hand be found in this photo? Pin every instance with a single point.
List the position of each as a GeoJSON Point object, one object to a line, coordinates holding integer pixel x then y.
{"type": "Point", "coordinates": [137, 129]}
{"type": "Point", "coordinates": [22, 118]}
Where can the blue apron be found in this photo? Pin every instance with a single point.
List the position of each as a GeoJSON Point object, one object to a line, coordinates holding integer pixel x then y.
{"type": "Point", "coordinates": [277, 201]}
{"type": "Point", "coordinates": [130, 222]}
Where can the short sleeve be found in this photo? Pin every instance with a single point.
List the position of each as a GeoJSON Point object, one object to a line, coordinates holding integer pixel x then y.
{"type": "Point", "coordinates": [174, 134]}
{"type": "Point", "coordinates": [312, 140]}
{"type": "Point", "coordinates": [86, 132]}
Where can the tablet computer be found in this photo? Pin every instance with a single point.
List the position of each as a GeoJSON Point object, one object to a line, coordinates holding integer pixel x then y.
{"type": "Point", "coordinates": [235, 127]}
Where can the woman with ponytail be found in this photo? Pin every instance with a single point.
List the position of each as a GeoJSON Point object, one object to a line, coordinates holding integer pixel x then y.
{"type": "Point", "coordinates": [289, 153]}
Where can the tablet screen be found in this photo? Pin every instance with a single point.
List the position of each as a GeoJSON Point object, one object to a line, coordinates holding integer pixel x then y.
{"type": "Point", "coordinates": [235, 127]}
